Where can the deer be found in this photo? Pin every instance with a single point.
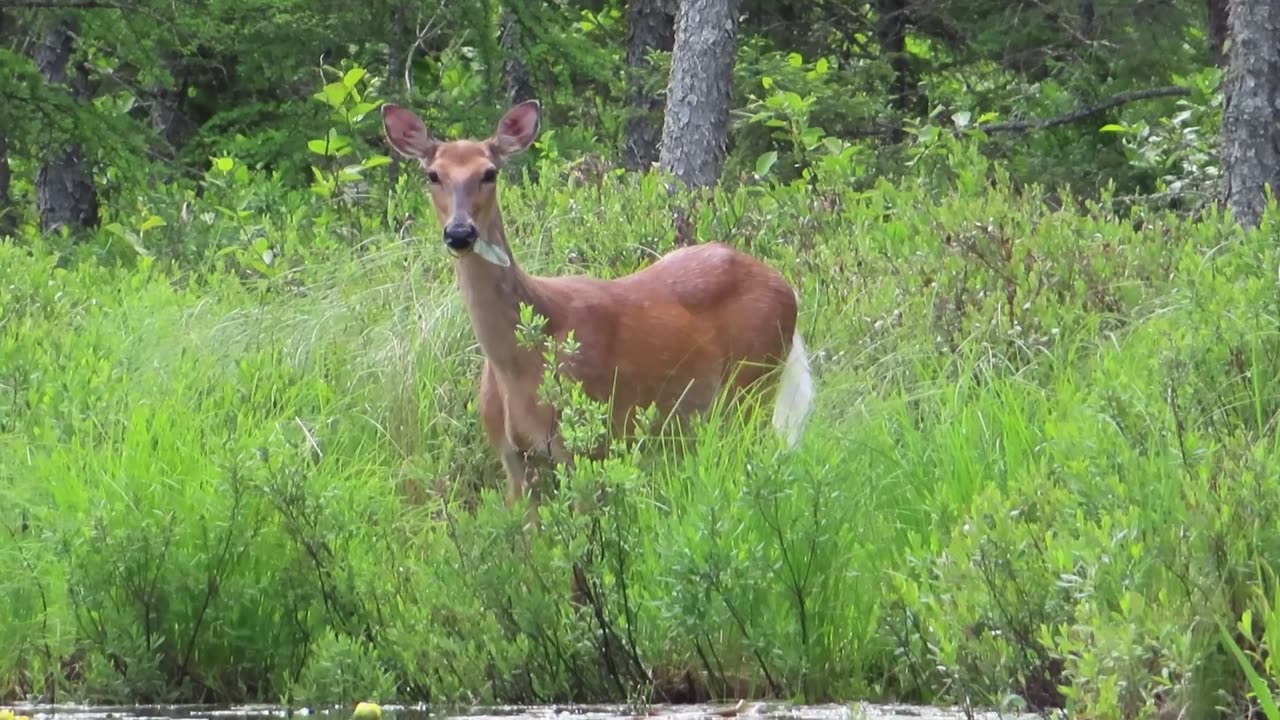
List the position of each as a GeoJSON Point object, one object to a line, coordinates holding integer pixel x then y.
{"type": "Point", "coordinates": [702, 320]}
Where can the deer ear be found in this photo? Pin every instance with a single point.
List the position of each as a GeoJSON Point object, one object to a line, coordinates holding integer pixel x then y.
{"type": "Point", "coordinates": [516, 130]}
{"type": "Point", "coordinates": [406, 133]}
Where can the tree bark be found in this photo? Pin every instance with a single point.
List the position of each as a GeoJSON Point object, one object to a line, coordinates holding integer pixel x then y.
{"type": "Point", "coordinates": [397, 56]}
{"type": "Point", "coordinates": [1251, 109]}
{"type": "Point", "coordinates": [695, 125]}
{"type": "Point", "coordinates": [650, 26]}
{"type": "Point", "coordinates": [514, 73]}
{"type": "Point", "coordinates": [167, 116]}
{"type": "Point", "coordinates": [65, 193]}
{"type": "Point", "coordinates": [1088, 15]}
{"type": "Point", "coordinates": [891, 36]}
{"type": "Point", "coordinates": [8, 213]}
{"type": "Point", "coordinates": [1219, 27]}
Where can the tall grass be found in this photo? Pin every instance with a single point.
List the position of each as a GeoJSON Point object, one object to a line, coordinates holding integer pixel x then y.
{"type": "Point", "coordinates": [1042, 469]}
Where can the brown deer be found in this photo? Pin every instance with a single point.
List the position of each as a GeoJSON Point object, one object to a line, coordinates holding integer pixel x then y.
{"type": "Point", "coordinates": [703, 319]}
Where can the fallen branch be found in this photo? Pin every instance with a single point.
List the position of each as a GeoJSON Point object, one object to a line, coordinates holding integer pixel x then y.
{"type": "Point", "coordinates": [1081, 113]}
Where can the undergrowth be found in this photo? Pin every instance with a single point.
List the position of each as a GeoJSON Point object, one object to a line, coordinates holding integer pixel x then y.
{"type": "Point", "coordinates": [240, 458]}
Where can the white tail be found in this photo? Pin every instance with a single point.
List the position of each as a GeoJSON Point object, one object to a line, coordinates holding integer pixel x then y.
{"type": "Point", "coordinates": [795, 394]}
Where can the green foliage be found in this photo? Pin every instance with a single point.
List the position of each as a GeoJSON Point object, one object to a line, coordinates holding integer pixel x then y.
{"type": "Point", "coordinates": [351, 110]}
{"type": "Point", "coordinates": [804, 111]}
{"type": "Point", "coordinates": [807, 148]}
{"type": "Point", "coordinates": [240, 453]}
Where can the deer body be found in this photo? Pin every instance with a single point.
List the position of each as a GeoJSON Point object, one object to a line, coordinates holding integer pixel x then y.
{"type": "Point", "coordinates": [701, 320]}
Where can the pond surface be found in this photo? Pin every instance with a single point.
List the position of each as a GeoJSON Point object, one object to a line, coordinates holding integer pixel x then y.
{"type": "Point", "coordinates": [779, 711]}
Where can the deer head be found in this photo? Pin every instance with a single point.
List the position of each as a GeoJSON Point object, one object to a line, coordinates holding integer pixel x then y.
{"type": "Point", "coordinates": [462, 175]}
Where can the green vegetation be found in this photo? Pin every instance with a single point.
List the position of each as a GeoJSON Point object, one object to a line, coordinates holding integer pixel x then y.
{"type": "Point", "coordinates": [239, 456]}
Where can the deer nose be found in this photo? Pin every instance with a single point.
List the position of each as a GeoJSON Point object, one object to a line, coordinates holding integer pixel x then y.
{"type": "Point", "coordinates": [460, 235]}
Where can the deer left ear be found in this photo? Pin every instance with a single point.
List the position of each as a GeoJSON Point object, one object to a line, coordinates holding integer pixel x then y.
{"type": "Point", "coordinates": [516, 130]}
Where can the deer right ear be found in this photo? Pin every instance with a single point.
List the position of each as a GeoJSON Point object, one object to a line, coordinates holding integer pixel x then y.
{"type": "Point", "coordinates": [407, 134]}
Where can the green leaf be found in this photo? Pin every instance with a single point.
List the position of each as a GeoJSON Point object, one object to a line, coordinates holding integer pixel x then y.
{"type": "Point", "coordinates": [153, 221]}
{"type": "Point", "coordinates": [352, 77]}
{"type": "Point", "coordinates": [116, 228]}
{"type": "Point", "coordinates": [767, 82]}
{"type": "Point", "coordinates": [795, 60]}
{"type": "Point", "coordinates": [374, 161]}
{"type": "Point", "coordinates": [224, 164]}
{"type": "Point", "coordinates": [1260, 688]}
{"type": "Point", "coordinates": [492, 253]}
{"type": "Point", "coordinates": [362, 109]}
{"type": "Point", "coordinates": [334, 93]}
{"type": "Point", "coordinates": [1111, 127]}
{"type": "Point", "coordinates": [321, 178]}
{"type": "Point", "coordinates": [821, 66]}
{"type": "Point", "coordinates": [765, 163]}
{"type": "Point", "coordinates": [333, 145]}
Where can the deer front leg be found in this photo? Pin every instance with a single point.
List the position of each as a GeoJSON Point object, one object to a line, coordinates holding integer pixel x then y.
{"type": "Point", "coordinates": [493, 416]}
{"type": "Point", "coordinates": [521, 482]}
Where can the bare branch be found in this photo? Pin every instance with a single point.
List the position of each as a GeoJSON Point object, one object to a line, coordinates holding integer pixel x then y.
{"type": "Point", "coordinates": [1087, 111]}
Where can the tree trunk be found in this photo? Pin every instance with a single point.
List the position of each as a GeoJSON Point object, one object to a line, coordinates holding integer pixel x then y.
{"type": "Point", "coordinates": [1088, 15]}
{"type": "Point", "coordinates": [397, 89]}
{"type": "Point", "coordinates": [167, 116]}
{"type": "Point", "coordinates": [514, 73]}
{"type": "Point", "coordinates": [1219, 26]}
{"type": "Point", "coordinates": [1251, 108]}
{"type": "Point", "coordinates": [891, 36]}
{"type": "Point", "coordinates": [8, 213]}
{"type": "Point", "coordinates": [650, 26]}
{"type": "Point", "coordinates": [64, 188]}
{"type": "Point", "coordinates": [695, 126]}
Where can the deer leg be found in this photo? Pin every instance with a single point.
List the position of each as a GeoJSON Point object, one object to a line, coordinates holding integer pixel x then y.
{"type": "Point", "coordinates": [520, 482]}
{"type": "Point", "coordinates": [493, 416]}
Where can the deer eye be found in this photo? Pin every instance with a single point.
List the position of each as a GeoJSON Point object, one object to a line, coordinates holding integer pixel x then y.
{"type": "Point", "coordinates": [433, 177]}
{"type": "Point", "coordinates": [489, 176]}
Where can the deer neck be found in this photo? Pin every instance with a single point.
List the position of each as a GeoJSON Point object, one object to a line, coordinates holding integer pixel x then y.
{"type": "Point", "coordinates": [493, 295]}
